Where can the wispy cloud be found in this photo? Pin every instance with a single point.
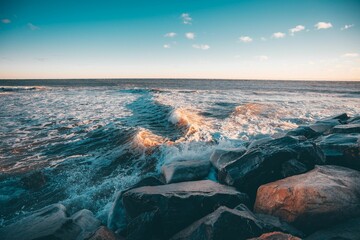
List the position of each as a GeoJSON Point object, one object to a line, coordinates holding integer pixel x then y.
{"type": "Point", "coordinates": [296, 29]}
{"type": "Point", "coordinates": [347, 27]}
{"type": "Point", "coordinates": [245, 39]}
{"type": "Point", "coordinates": [186, 19]}
{"type": "Point", "coordinates": [5, 20]}
{"type": "Point", "coordinates": [278, 35]}
{"type": "Point", "coordinates": [190, 35]}
{"type": "Point", "coordinates": [323, 25]}
{"type": "Point", "coordinates": [32, 27]}
{"type": "Point", "coordinates": [350, 55]}
{"type": "Point", "coordinates": [170, 34]}
{"type": "Point", "coordinates": [262, 58]}
{"type": "Point", "coordinates": [166, 46]}
{"type": "Point", "coordinates": [201, 46]}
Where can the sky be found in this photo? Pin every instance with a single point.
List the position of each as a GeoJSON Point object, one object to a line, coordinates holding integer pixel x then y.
{"type": "Point", "coordinates": [212, 39]}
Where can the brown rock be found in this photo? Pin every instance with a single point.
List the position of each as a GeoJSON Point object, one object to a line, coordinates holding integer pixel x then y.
{"type": "Point", "coordinates": [103, 233]}
{"type": "Point", "coordinates": [319, 198]}
{"type": "Point", "coordinates": [275, 236]}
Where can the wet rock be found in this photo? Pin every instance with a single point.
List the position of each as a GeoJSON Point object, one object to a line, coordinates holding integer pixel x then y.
{"type": "Point", "coordinates": [355, 119]}
{"type": "Point", "coordinates": [341, 149]}
{"type": "Point", "coordinates": [342, 117]}
{"type": "Point", "coordinates": [185, 170]}
{"type": "Point", "coordinates": [319, 198]}
{"type": "Point", "coordinates": [86, 220]}
{"type": "Point", "coordinates": [143, 225]}
{"type": "Point", "coordinates": [260, 141]}
{"type": "Point", "coordinates": [305, 131]}
{"type": "Point", "coordinates": [116, 219]}
{"type": "Point", "coordinates": [50, 222]}
{"type": "Point", "coordinates": [276, 236]}
{"type": "Point", "coordinates": [34, 181]}
{"type": "Point", "coordinates": [293, 167]}
{"type": "Point", "coordinates": [103, 233]}
{"type": "Point", "coordinates": [324, 127]}
{"type": "Point", "coordinates": [221, 157]}
{"type": "Point", "coordinates": [347, 128]}
{"type": "Point", "coordinates": [178, 204]}
{"type": "Point", "coordinates": [349, 230]}
{"type": "Point", "coordinates": [226, 223]}
{"type": "Point", "coordinates": [264, 163]}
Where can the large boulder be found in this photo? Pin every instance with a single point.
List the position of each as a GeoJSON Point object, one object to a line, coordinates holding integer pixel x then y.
{"type": "Point", "coordinates": [221, 157]}
{"type": "Point", "coordinates": [264, 163]}
{"type": "Point", "coordinates": [349, 230]}
{"type": "Point", "coordinates": [276, 236]}
{"type": "Point", "coordinates": [226, 223]}
{"type": "Point", "coordinates": [341, 149]}
{"type": "Point", "coordinates": [319, 198]}
{"type": "Point", "coordinates": [174, 206]}
{"type": "Point", "coordinates": [305, 131]}
{"type": "Point", "coordinates": [103, 233]}
{"type": "Point", "coordinates": [185, 170]}
{"type": "Point", "coordinates": [347, 128]}
{"type": "Point", "coordinates": [51, 222]}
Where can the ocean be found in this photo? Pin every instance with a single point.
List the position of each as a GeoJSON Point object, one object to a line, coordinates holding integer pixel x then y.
{"type": "Point", "coordinates": [79, 142]}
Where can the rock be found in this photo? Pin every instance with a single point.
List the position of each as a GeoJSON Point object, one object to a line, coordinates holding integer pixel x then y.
{"type": "Point", "coordinates": [260, 141]}
{"type": "Point", "coordinates": [355, 119]}
{"type": "Point", "coordinates": [342, 117]}
{"type": "Point", "coordinates": [264, 163]}
{"type": "Point", "coordinates": [50, 222]}
{"type": "Point", "coordinates": [143, 225]}
{"type": "Point", "coordinates": [276, 236]}
{"type": "Point", "coordinates": [349, 230]}
{"type": "Point", "coordinates": [292, 167]}
{"type": "Point", "coordinates": [103, 233]}
{"type": "Point", "coordinates": [341, 149]}
{"type": "Point", "coordinates": [86, 220]}
{"type": "Point", "coordinates": [116, 219]}
{"type": "Point", "coordinates": [305, 131]}
{"type": "Point", "coordinates": [34, 181]}
{"type": "Point", "coordinates": [185, 170]}
{"type": "Point", "coordinates": [221, 157]}
{"type": "Point", "coordinates": [178, 204]}
{"type": "Point", "coordinates": [226, 223]}
{"type": "Point", "coordinates": [319, 198]}
{"type": "Point", "coordinates": [347, 128]}
{"type": "Point", "coordinates": [324, 127]}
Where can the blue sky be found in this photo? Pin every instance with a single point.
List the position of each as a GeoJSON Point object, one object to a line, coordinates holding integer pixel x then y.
{"type": "Point", "coordinates": [258, 39]}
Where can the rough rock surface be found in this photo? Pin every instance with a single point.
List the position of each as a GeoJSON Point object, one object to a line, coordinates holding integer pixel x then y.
{"type": "Point", "coordinates": [341, 149]}
{"type": "Point", "coordinates": [349, 230]}
{"type": "Point", "coordinates": [221, 157]}
{"type": "Point", "coordinates": [347, 128]}
{"type": "Point", "coordinates": [175, 206]}
{"type": "Point", "coordinates": [51, 222]}
{"type": "Point", "coordinates": [103, 233]}
{"type": "Point", "coordinates": [305, 131]}
{"type": "Point", "coordinates": [276, 236]}
{"type": "Point", "coordinates": [319, 198]}
{"type": "Point", "coordinates": [185, 170]}
{"type": "Point", "coordinates": [263, 164]}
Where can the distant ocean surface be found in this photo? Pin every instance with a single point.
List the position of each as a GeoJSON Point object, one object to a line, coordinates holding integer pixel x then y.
{"type": "Point", "coordinates": [88, 139]}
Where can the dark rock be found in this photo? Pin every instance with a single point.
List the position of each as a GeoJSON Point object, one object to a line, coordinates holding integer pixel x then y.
{"type": "Point", "coordinates": [349, 230]}
{"type": "Point", "coordinates": [276, 236]}
{"type": "Point", "coordinates": [103, 233]}
{"type": "Point", "coordinates": [178, 204]}
{"type": "Point", "coordinates": [324, 127]}
{"type": "Point", "coordinates": [34, 181]}
{"type": "Point", "coordinates": [185, 170]}
{"type": "Point", "coordinates": [293, 167]}
{"type": "Point", "coordinates": [310, 201]}
{"type": "Point", "coordinates": [305, 131]}
{"type": "Point", "coordinates": [116, 219]}
{"type": "Point", "coordinates": [225, 223]}
{"type": "Point", "coordinates": [341, 149]}
{"type": "Point", "coordinates": [260, 141]}
{"type": "Point", "coordinates": [355, 119]}
{"type": "Point", "coordinates": [87, 222]}
{"type": "Point", "coordinates": [144, 225]}
{"type": "Point", "coordinates": [50, 222]}
{"type": "Point", "coordinates": [347, 128]}
{"type": "Point", "coordinates": [221, 157]}
{"type": "Point", "coordinates": [342, 117]}
{"type": "Point", "coordinates": [264, 163]}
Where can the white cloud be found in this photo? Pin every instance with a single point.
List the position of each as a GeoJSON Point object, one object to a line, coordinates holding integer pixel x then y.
{"type": "Point", "coordinates": [296, 29]}
{"type": "Point", "coordinates": [190, 35]}
{"type": "Point", "coordinates": [262, 58]}
{"type": "Point", "coordinates": [347, 27]}
{"type": "Point", "coordinates": [170, 34]}
{"type": "Point", "coordinates": [350, 55]}
{"type": "Point", "coordinates": [33, 27]}
{"type": "Point", "coordinates": [166, 46]}
{"type": "Point", "coordinates": [278, 35]}
{"type": "Point", "coordinates": [245, 39]}
{"type": "Point", "coordinates": [323, 25]}
{"type": "Point", "coordinates": [5, 20]}
{"type": "Point", "coordinates": [201, 46]}
{"type": "Point", "coordinates": [186, 18]}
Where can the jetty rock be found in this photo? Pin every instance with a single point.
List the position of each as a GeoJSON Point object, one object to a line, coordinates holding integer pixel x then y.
{"type": "Point", "coordinates": [170, 208]}
{"type": "Point", "coordinates": [319, 198]}
{"type": "Point", "coordinates": [221, 157]}
{"type": "Point", "coordinates": [276, 236]}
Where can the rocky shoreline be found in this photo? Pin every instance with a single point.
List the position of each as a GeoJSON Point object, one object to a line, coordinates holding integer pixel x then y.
{"type": "Point", "coordinates": [303, 185]}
